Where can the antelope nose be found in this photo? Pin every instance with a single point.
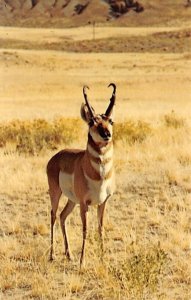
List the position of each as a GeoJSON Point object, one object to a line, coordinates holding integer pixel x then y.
{"type": "Point", "coordinates": [107, 135]}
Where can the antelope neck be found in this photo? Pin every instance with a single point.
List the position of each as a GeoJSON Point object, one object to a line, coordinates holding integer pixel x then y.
{"type": "Point", "coordinates": [101, 149]}
{"type": "Point", "coordinates": [100, 161]}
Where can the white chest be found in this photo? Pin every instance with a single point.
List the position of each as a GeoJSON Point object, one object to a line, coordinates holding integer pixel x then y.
{"type": "Point", "coordinates": [99, 191]}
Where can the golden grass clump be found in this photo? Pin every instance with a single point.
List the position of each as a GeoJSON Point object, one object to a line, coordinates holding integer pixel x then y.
{"type": "Point", "coordinates": [141, 273]}
{"type": "Point", "coordinates": [131, 131]}
{"type": "Point", "coordinates": [35, 136]}
{"type": "Point", "coordinates": [173, 120]}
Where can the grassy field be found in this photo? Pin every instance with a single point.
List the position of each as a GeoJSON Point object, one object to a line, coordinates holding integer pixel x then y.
{"type": "Point", "coordinates": [147, 222]}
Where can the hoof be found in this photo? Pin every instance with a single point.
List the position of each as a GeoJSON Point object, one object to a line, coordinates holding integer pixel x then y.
{"type": "Point", "coordinates": [69, 256]}
{"type": "Point", "coordinates": [51, 258]}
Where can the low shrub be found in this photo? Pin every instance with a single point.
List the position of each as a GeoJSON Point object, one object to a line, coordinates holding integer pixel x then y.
{"type": "Point", "coordinates": [32, 137]}
{"type": "Point", "coordinates": [132, 132]}
{"type": "Point", "coordinates": [142, 272]}
{"type": "Point", "coordinates": [172, 120]}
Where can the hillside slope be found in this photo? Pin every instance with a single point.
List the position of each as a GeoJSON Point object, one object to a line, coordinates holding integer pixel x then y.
{"type": "Point", "coordinates": [66, 13]}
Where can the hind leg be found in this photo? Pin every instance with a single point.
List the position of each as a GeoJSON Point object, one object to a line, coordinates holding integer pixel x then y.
{"type": "Point", "coordinates": [64, 214]}
{"type": "Point", "coordinates": [55, 194]}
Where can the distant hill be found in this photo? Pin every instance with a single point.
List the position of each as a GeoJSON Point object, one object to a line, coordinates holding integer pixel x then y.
{"type": "Point", "coordinates": [66, 13]}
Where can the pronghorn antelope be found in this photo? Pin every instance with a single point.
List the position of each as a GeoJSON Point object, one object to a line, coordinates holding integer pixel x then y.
{"type": "Point", "coordinates": [85, 177]}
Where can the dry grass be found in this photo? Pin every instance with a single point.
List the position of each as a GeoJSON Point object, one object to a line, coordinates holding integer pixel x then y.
{"type": "Point", "coordinates": [37, 136]}
{"type": "Point", "coordinates": [147, 222]}
{"type": "Point", "coordinates": [147, 236]}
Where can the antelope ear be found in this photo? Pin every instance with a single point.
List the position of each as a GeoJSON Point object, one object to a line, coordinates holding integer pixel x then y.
{"type": "Point", "coordinates": [85, 113]}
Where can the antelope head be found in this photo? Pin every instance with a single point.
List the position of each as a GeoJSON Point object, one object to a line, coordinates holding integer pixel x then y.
{"type": "Point", "coordinates": [100, 125]}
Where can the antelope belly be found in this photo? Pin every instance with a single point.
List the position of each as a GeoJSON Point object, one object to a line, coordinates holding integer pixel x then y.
{"type": "Point", "coordinates": [66, 184]}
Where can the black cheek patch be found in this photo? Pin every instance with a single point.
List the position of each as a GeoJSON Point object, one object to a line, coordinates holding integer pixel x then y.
{"type": "Point", "coordinates": [103, 132]}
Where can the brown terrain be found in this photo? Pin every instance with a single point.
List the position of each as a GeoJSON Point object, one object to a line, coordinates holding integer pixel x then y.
{"type": "Point", "coordinates": [68, 13]}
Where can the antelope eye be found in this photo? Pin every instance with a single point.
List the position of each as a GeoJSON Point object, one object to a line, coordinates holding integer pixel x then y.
{"type": "Point", "coordinates": [96, 119]}
{"type": "Point", "coordinates": [110, 121]}
{"type": "Point", "coordinates": [91, 122]}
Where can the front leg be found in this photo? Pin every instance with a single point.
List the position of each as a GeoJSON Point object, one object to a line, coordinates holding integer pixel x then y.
{"type": "Point", "coordinates": [83, 213]}
{"type": "Point", "coordinates": [100, 214]}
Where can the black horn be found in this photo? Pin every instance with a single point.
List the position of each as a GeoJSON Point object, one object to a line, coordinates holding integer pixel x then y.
{"type": "Point", "coordinates": [112, 100]}
{"type": "Point", "coordinates": [87, 102]}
